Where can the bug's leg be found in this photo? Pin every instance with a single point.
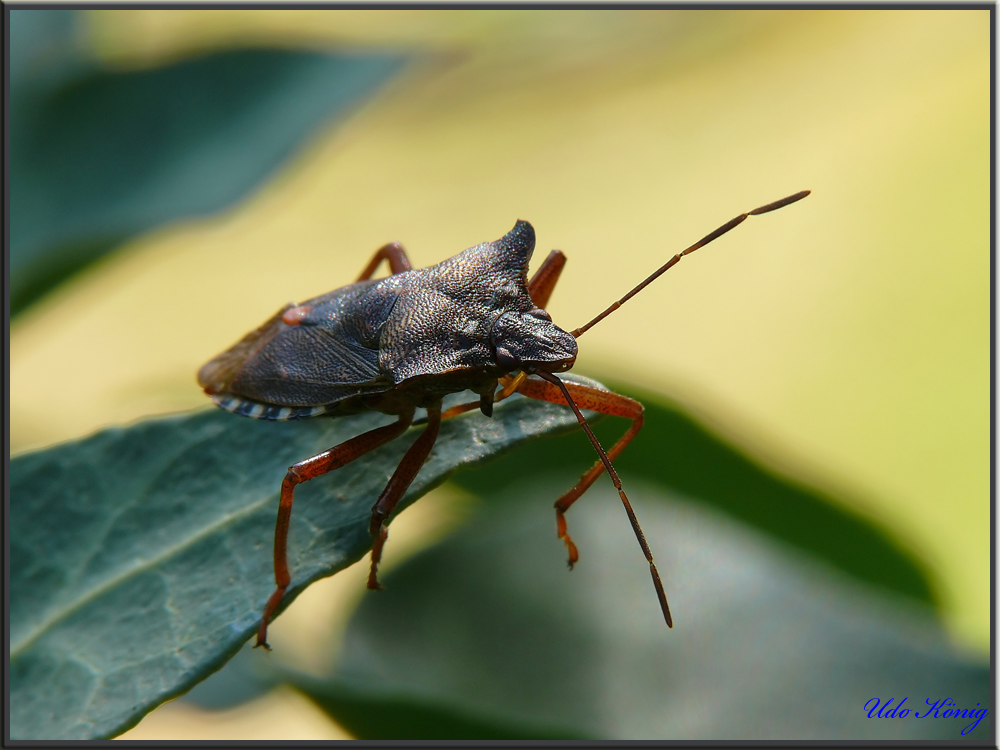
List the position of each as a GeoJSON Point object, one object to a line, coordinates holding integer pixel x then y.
{"type": "Point", "coordinates": [394, 253]}
{"type": "Point", "coordinates": [608, 403]}
{"type": "Point", "coordinates": [605, 402]}
{"type": "Point", "coordinates": [293, 315]}
{"type": "Point", "coordinates": [544, 279]}
{"type": "Point", "coordinates": [508, 383]}
{"type": "Point", "coordinates": [401, 479]}
{"type": "Point", "coordinates": [454, 411]}
{"type": "Point", "coordinates": [303, 471]}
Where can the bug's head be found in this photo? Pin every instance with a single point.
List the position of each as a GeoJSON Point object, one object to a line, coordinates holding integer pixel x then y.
{"type": "Point", "coordinates": [530, 341]}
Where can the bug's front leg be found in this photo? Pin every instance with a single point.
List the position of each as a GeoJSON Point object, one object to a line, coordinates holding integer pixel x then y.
{"type": "Point", "coordinates": [303, 471]}
{"type": "Point", "coordinates": [605, 402]}
{"type": "Point", "coordinates": [401, 479]}
{"type": "Point", "coordinates": [392, 252]}
{"type": "Point", "coordinates": [486, 400]}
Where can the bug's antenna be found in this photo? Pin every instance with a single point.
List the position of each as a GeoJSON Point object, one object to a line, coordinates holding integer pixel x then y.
{"type": "Point", "coordinates": [700, 243]}
{"type": "Point", "coordinates": [657, 583]}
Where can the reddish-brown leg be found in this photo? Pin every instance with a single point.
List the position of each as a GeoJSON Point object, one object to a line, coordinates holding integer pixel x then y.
{"type": "Point", "coordinates": [599, 400]}
{"type": "Point", "coordinates": [401, 479]}
{"type": "Point", "coordinates": [394, 253]}
{"type": "Point", "coordinates": [454, 411]}
{"type": "Point", "coordinates": [604, 402]}
{"type": "Point", "coordinates": [294, 315]}
{"type": "Point", "coordinates": [545, 278]}
{"type": "Point", "coordinates": [303, 471]}
{"type": "Point", "coordinates": [508, 385]}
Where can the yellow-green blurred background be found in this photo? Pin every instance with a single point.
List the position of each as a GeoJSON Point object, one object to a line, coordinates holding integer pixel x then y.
{"type": "Point", "coordinates": [845, 340]}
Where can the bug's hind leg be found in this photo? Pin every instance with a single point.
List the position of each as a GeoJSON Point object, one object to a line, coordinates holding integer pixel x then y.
{"type": "Point", "coordinates": [401, 479]}
{"type": "Point", "coordinates": [392, 252]}
{"type": "Point", "coordinates": [605, 402]}
{"type": "Point", "coordinates": [303, 471]}
{"type": "Point", "coordinates": [545, 278]}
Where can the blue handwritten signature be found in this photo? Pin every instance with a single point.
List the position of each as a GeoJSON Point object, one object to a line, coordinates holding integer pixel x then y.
{"type": "Point", "coordinates": [943, 709]}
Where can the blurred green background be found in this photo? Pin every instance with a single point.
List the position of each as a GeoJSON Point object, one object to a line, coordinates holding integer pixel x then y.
{"type": "Point", "coordinates": [844, 341]}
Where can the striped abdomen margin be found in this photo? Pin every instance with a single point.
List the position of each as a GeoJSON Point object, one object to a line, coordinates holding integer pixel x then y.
{"type": "Point", "coordinates": [256, 410]}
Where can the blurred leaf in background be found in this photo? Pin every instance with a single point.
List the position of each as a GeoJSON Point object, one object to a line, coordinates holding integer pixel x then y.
{"type": "Point", "coordinates": [779, 631]}
{"type": "Point", "coordinates": [100, 155]}
{"type": "Point", "coordinates": [683, 457]}
{"type": "Point", "coordinates": [486, 637]}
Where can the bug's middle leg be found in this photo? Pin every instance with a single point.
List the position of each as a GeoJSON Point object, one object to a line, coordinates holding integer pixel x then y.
{"type": "Point", "coordinates": [401, 479]}
{"type": "Point", "coordinates": [392, 252]}
{"type": "Point", "coordinates": [303, 471]}
{"type": "Point", "coordinates": [545, 278]}
{"type": "Point", "coordinates": [605, 402]}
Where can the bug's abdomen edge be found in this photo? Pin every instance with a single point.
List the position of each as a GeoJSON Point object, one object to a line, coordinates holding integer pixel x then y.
{"type": "Point", "coordinates": [256, 410]}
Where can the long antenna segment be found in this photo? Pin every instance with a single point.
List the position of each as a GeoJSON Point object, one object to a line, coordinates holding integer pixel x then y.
{"type": "Point", "coordinates": [732, 224]}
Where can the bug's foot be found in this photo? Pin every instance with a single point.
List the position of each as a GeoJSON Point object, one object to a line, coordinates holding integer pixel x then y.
{"type": "Point", "coordinates": [373, 584]}
{"type": "Point", "coordinates": [262, 636]}
{"type": "Point", "coordinates": [269, 609]}
{"type": "Point", "coordinates": [379, 533]}
{"type": "Point", "coordinates": [574, 554]}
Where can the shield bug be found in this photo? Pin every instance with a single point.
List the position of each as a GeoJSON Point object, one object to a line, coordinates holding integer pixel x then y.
{"type": "Point", "coordinates": [473, 322]}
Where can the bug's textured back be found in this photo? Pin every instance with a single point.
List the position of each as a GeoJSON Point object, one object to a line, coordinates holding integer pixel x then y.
{"type": "Point", "coordinates": [443, 317]}
{"type": "Point", "coordinates": [365, 338]}
{"type": "Point", "coordinates": [329, 355]}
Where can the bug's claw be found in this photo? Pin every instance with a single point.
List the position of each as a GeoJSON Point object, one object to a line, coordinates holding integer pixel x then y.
{"type": "Point", "coordinates": [269, 609]}
{"type": "Point", "coordinates": [260, 643]}
{"type": "Point", "coordinates": [574, 555]}
{"type": "Point", "coordinates": [262, 636]}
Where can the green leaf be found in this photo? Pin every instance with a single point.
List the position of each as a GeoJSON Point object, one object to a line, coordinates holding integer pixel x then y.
{"type": "Point", "coordinates": [47, 46]}
{"type": "Point", "coordinates": [140, 557]}
{"type": "Point", "coordinates": [399, 717]}
{"type": "Point", "coordinates": [99, 156]}
{"type": "Point", "coordinates": [675, 452]}
{"type": "Point", "coordinates": [767, 643]}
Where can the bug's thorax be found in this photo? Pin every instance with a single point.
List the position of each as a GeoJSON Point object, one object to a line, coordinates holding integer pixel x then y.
{"type": "Point", "coordinates": [472, 312]}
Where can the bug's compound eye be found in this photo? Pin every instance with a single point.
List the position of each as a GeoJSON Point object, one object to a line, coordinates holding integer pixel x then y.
{"type": "Point", "coordinates": [501, 337]}
{"type": "Point", "coordinates": [506, 360]}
